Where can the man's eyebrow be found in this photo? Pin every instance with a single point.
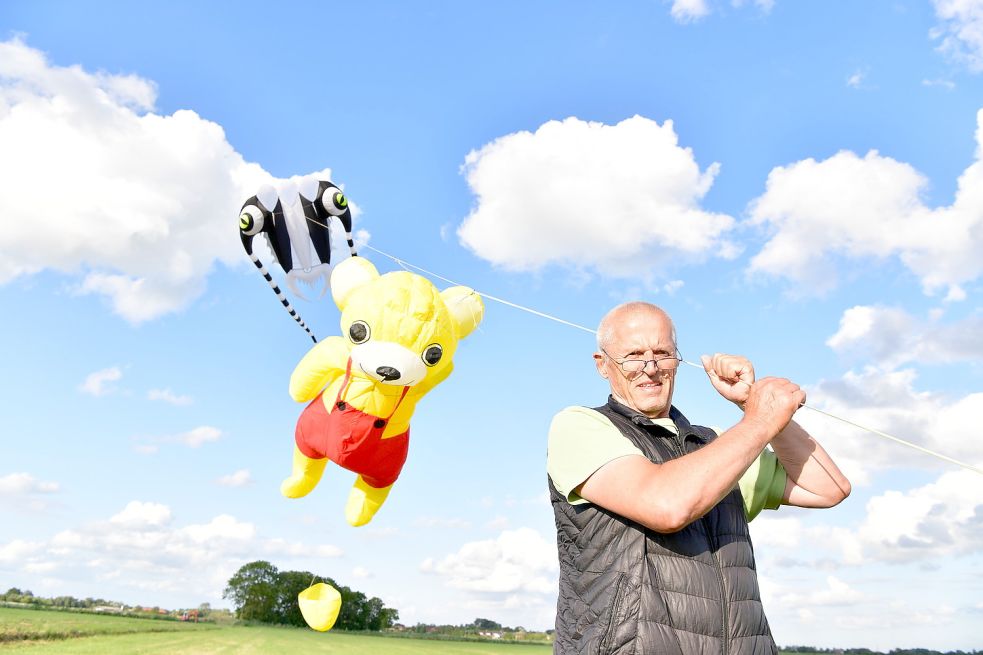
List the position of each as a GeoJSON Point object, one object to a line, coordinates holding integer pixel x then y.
{"type": "Point", "coordinates": [657, 351]}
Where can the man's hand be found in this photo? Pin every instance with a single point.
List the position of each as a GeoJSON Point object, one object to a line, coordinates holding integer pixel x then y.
{"type": "Point", "coordinates": [731, 375]}
{"type": "Point", "coordinates": [771, 403]}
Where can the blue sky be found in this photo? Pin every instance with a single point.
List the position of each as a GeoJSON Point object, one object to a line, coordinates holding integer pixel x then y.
{"type": "Point", "coordinates": [795, 182]}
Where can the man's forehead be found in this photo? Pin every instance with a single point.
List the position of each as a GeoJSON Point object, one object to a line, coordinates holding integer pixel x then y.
{"type": "Point", "coordinates": [647, 329]}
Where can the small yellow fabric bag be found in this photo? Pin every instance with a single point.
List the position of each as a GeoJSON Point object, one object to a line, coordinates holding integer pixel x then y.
{"type": "Point", "coordinates": [320, 605]}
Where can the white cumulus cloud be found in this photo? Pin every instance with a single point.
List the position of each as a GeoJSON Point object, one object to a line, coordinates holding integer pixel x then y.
{"type": "Point", "coordinates": [890, 337]}
{"type": "Point", "coordinates": [140, 514]}
{"type": "Point", "coordinates": [856, 80]}
{"type": "Point", "coordinates": [240, 478]}
{"type": "Point", "coordinates": [194, 438]}
{"type": "Point", "coordinates": [517, 560]}
{"type": "Point", "coordinates": [23, 484]}
{"type": "Point", "coordinates": [25, 493]}
{"type": "Point", "coordinates": [137, 205]}
{"type": "Point", "coordinates": [99, 383]}
{"type": "Point", "coordinates": [924, 525]}
{"type": "Point", "coordinates": [854, 207]}
{"type": "Point", "coordinates": [144, 548]}
{"type": "Point", "coordinates": [169, 397]}
{"type": "Point", "coordinates": [200, 435]}
{"type": "Point", "coordinates": [685, 11]}
{"type": "Point", "coordinates": [592, 196]}
{"type": "Point", "coordinates": [961, 31]}
{"type": "Point", "coordinates": [890, 402]}
{"type": "Point", "coordinates": [837, 593]}
{"type": "Point", "coordinates": [941, 519]}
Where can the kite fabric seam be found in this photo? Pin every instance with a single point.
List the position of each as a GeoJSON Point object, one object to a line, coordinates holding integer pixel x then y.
{"type": "Point", "coordinates": [404, 263]}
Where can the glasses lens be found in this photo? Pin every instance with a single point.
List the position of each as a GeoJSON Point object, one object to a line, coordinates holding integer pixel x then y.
{"type": "Point", "coordinates": [668, 364]}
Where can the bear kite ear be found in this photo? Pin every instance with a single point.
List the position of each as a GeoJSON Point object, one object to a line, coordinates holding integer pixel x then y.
{"type": "Point", "coordinates": [465, 307]}
{"type": "Point", "coordinates": [348, 276]}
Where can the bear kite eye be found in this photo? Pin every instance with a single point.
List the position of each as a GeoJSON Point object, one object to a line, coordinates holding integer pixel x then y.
{"type": "Point", "coordinates": [432, 354]}
{"type": "Point", "coordinates": [359, 332]}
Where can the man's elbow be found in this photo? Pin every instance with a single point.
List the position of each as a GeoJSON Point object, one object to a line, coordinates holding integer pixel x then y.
{"type": "Point", "coordinates": [836, 496]}
{"type": "Point", "coordinates": [668, 517]}
{"type": "Point", "coordinates": [844, 490]}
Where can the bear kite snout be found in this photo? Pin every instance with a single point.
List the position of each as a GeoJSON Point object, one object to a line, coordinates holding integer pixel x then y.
{"type": "Point", "coordinates": [388, 373]}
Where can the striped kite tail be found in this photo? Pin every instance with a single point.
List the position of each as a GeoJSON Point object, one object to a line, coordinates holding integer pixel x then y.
{"type": "Point", "coordinates": [279, 294]}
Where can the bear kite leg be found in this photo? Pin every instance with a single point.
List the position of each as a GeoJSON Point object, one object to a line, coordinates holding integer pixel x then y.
{"type": "Point", "coordinates": [364, 501]}
{"type": "Point", "coordinates": [306, 474]}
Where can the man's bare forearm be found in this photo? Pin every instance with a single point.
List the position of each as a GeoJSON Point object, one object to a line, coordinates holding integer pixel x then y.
{"type": "Point", "coordinates": [814, 480]}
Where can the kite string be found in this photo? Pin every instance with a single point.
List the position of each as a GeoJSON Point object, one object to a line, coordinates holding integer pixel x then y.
{"type": "Point", "coordinates": [878, 433]}
{"type": "Point", "coordinates": [404, 264]}
{"type": "Point", "coordinates": [530, 310]}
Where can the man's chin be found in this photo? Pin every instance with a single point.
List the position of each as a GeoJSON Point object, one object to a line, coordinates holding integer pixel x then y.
{"type": "Point", "coordinates": [649, 405]}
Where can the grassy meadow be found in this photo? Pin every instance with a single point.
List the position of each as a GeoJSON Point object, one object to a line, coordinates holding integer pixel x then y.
{"type": "Point", "coordinates": [38, 631]}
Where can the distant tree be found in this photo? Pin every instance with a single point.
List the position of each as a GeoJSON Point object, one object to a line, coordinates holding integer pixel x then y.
{"type": "Point", "coordinates": [352, 615]}
{"type": "Point", "coordinates": [289, 584]}
{"type": "Point", "coordinates": [253, 592]}
{"type": "Point", "coordinates": [260, 592]}
{"type": "Point", "coordinates": [487, 624]}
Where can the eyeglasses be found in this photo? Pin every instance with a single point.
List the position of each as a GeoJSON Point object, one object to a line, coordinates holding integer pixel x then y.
{"type": "Point", "coordinates": [634, 367]}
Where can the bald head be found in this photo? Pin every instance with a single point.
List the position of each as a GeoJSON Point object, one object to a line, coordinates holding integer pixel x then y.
{"type": "Point", "coordinates": [624, 312]}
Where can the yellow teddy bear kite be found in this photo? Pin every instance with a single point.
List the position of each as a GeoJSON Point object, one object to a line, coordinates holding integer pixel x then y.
{"type": "Point", "coordinates": [400, 337]}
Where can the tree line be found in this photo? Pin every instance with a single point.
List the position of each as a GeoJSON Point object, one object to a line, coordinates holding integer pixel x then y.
{"type": "Point", "coordinates": [15, 595]}
{"type": "Point", "coordinates": [260, 592]}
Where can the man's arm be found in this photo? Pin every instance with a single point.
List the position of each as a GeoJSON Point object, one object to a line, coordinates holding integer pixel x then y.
{"type": "Point", "coordinates": [814, 480]}
{"type": "Point", "coordinates": [667, 497]}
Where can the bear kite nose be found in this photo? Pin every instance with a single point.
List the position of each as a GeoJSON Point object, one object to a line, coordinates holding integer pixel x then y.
{"type": "Point", "coordinates": [387, 373]}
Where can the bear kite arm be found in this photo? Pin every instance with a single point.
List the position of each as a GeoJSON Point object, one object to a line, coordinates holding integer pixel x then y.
{"type": "Point", "coordinates": [319, 368]}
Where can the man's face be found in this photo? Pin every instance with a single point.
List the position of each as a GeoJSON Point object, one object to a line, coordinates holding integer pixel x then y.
{"type": "Point", "coordinates": [645, 334]}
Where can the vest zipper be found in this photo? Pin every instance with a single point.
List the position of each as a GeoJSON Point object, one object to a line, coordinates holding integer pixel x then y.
{"type": "Point", "coordinates": [720, 579]}
{"type": "Point", "coordinates": [681, 450]}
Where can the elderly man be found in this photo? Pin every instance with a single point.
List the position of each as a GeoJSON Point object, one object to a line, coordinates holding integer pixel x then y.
{"type": "Point", "coordinates": [652, 523]}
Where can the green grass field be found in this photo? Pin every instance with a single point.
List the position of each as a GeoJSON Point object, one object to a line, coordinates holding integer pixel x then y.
{"type": "Point", "coordinates": [36, 631]}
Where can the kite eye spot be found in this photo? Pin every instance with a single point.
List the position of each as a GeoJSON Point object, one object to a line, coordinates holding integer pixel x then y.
{"type": "Point", "coordinates": [251, 220]}
{"type": "Point", "coordinates": [432, 354]}
{"type": "Point", "coordinates": [359, 332]}
{"type": "Point", "coordinates": [334, 201]}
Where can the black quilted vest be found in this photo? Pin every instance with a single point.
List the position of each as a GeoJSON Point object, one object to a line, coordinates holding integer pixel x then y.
{"type": "Point", "coordinates": [627, 590]}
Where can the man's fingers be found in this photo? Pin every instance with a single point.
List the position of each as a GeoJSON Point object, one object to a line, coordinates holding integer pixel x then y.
{"type": "Point", "coordinates": [730, 368]}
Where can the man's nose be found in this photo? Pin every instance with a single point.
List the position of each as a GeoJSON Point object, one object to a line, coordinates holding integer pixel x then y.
{"type": "Point", "coordinates": [654, 371]}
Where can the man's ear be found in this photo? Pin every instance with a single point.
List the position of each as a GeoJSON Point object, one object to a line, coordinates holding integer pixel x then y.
{"type": "Point", "coordinates": [599, 363]}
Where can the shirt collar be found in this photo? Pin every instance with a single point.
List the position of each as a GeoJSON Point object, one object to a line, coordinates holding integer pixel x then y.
{"type": "Point", "coordinates": [675, 422]}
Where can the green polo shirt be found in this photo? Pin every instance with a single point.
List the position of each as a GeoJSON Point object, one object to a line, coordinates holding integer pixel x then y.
{"type": "Point", "coordinates": [582, 440]}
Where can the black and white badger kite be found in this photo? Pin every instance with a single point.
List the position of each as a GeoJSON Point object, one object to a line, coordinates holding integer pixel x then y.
{"type": "Point", "coordinates": [294, 220]}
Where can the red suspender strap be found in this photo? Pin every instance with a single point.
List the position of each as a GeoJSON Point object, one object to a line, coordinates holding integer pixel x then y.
{"type": "Point", "coordinates": [344, 384]}
{"type": "Point", "coordinates": [406, 390]}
